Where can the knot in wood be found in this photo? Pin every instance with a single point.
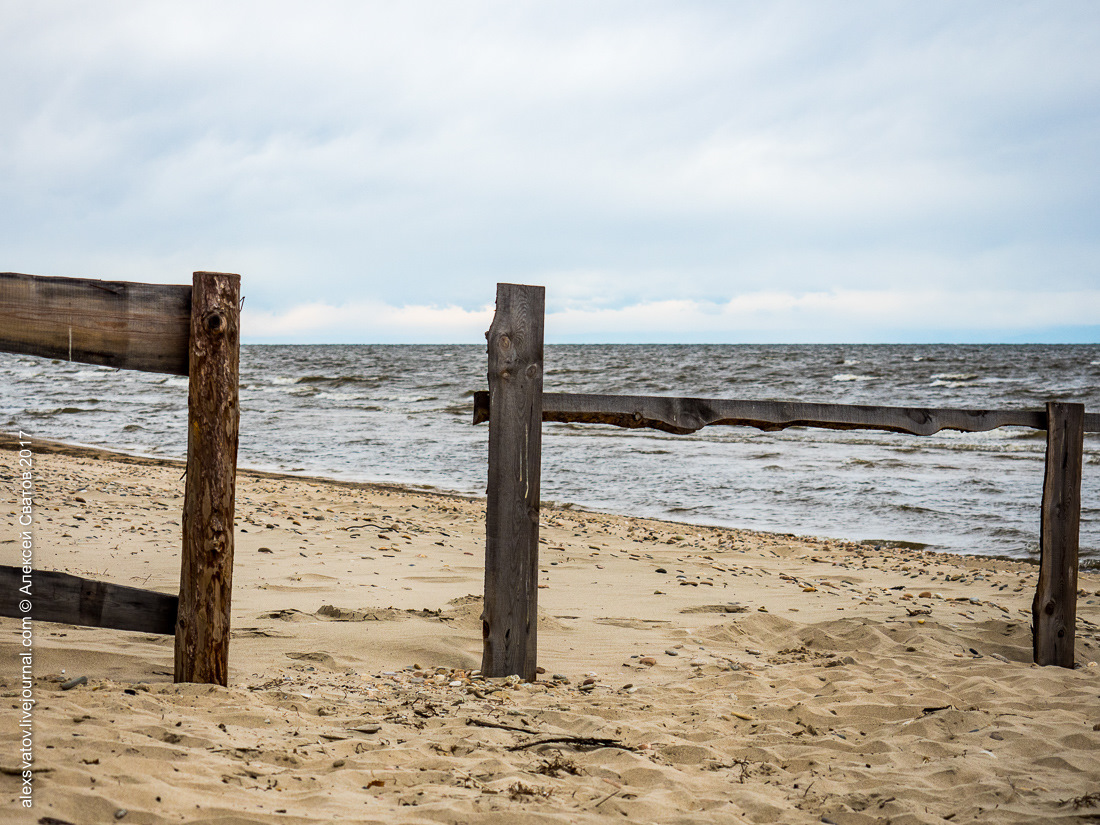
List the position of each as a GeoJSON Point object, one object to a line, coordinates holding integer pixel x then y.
{"type": "Point", "coordinates": [532, 370]}
{"type": "Point", "coordinates": [504, 342]}
{"type": "Point", "coordinates": [214, 322]}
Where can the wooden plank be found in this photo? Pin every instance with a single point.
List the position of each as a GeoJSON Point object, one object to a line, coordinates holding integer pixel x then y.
{"type": "Point", "coordinates": [213, 416]}
{"type": "Point", "coordinates": [509, 631]}
{"type": "Point", "coordinates": [111, 323]}
{"type": "Point", "coordinates": [60, 597]}
{"type": "Point", "coordinates": [1054, 610]}
{"type": "Point", "coordinates": [687, 415]}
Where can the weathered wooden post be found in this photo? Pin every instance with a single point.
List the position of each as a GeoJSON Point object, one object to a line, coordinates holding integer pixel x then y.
{"type": "Point", "coordinates": [1054, 611]}
{"type": "Point", "coordinates": [213, 414]}
{"type": "Point", "coordinates": [509, 625]}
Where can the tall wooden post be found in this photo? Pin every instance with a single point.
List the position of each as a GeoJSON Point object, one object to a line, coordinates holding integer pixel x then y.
{"type": "Point", "coordinates": [1054, 611]}
{"type": "Point", "coordinates": [213, 415]}
{"type": "Point", "coordinates": [509, 625]}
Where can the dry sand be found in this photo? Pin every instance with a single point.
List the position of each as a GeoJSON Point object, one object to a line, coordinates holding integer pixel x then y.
{"type": "Point", "coordinates": [692, 674]}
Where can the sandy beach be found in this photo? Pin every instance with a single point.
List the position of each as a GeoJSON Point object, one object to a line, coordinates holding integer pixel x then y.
{"type": "Point", "coordinates": [692, 675]}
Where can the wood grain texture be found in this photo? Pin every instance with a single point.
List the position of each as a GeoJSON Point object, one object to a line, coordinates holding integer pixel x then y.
{"type": "Point", "coordinates": [110, 323]}
{"type": "Point", "coordinates": [59, 597]}
{"type": "Point", "coordinates": [688, 415]}
{"type": "Point", "coordinates": [509, 631]}
{"type": "Point", "coordinates": [213, 416]}
{"type": "Point", "coordinates": [1054, 609]}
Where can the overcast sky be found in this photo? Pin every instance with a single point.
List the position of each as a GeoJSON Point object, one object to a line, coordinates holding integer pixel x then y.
{"type": "Point", "coordinates": [670, 171]}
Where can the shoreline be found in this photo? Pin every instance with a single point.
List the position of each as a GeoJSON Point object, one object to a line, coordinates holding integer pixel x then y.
{"type": "Point", "coordinates": [8, 443]}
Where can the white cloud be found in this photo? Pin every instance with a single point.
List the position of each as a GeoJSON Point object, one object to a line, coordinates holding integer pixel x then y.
{"type": "Point", "coordinates": [765, 316]}
{"type": "Point", "coordinates": [844, 315]}
{"type": "Point", "coordinates": [370, 322]}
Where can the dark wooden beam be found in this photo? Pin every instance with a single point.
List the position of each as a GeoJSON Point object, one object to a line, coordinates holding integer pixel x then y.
{"type": "Point", "coordinates": [110, 323]}
{"type": "Point", "coordinates": [687, 415]}
{"type": "Point", "coordinates": [213, 417]}
{"type": "Point", "coordinates": [60, 597]}
{"type": "Point", "coordinates": [1054, 610]}
{"type": "Point", "coordinates": [509, 624]}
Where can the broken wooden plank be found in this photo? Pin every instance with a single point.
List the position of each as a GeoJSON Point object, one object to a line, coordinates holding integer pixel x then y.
{"type": "Point", "coordinates": [110, 323]}
{"type": "Point", "coordinates": [67, 599]}
{"type": "Point", "coordinates": [688, 415]}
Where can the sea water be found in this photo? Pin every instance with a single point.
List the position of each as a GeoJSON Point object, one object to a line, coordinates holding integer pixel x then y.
{"type": "Point", "coordinates": [401, 414]}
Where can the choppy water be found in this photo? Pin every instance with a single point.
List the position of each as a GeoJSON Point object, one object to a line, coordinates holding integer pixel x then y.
{"type": "Point", "coordinates": [401, 414]}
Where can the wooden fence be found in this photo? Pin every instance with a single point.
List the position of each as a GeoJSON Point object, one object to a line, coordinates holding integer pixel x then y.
{"type": "Point", "coordinates": [515, 405]}
{"type": "Point", "coordinates": [182, 330]}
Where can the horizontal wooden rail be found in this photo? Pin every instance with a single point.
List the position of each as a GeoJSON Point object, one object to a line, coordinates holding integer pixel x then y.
{"type": "Point", "coordinates": [59, 597]}
{"type": "Point", "coordinates": [110, 323]}
{"type": "Point", "coordinates": [687, 415]}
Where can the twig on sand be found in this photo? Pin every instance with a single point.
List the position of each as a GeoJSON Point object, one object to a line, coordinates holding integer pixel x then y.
{"type": "Point", "coordinates": [1085, 801]}
{"type": "Point", "coordinates": [18, 770]}
{"type": "Point", "coordinates": [485, 723]}
{"type": "Point", "coordinates": [927, 711]}
{"type": "Point", "coordinates": [606, 798]}
{"type": "Point", "coordinates": [577, 742]}
{"type": "Point", "coordinates": [618, 789]}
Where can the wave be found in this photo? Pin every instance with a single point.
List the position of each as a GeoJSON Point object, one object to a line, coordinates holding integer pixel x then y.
{"type": "Point", "coordinates": [851, 376]}
{"type": "Point", "coordinates": [878, 463]}
{"type": "Point", "coordinates": [89, 374]}
{"type": "Point", "coordinates": [343, 380]}
{"type": "Point", "coordinates": [1025, 434]}
{"type": "Point", "coordinates": [57, 411]}
{"type": "Point", "coordinates": [955, 376]}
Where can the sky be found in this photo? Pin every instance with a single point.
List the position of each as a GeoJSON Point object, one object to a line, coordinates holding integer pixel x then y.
{"type": "Point", "coordinates": [688, 171]}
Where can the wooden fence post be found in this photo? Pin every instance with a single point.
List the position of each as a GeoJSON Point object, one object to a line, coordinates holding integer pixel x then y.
{"type": "Point", "coordinates": [213, 416]}
{"type": "Point", "coordinates": [1054, 610]}
{"type": "Point", "coordinates": [509, 623]}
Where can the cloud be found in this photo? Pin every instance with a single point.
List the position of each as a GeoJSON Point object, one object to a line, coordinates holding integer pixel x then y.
{"type": "Point", "coordinates": [757, 317]}
{"type": "Point", "coordinates": [366, 322]}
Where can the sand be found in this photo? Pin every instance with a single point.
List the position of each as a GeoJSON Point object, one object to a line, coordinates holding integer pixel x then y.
{"type": "Point", "coordinates": [691, 674]}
